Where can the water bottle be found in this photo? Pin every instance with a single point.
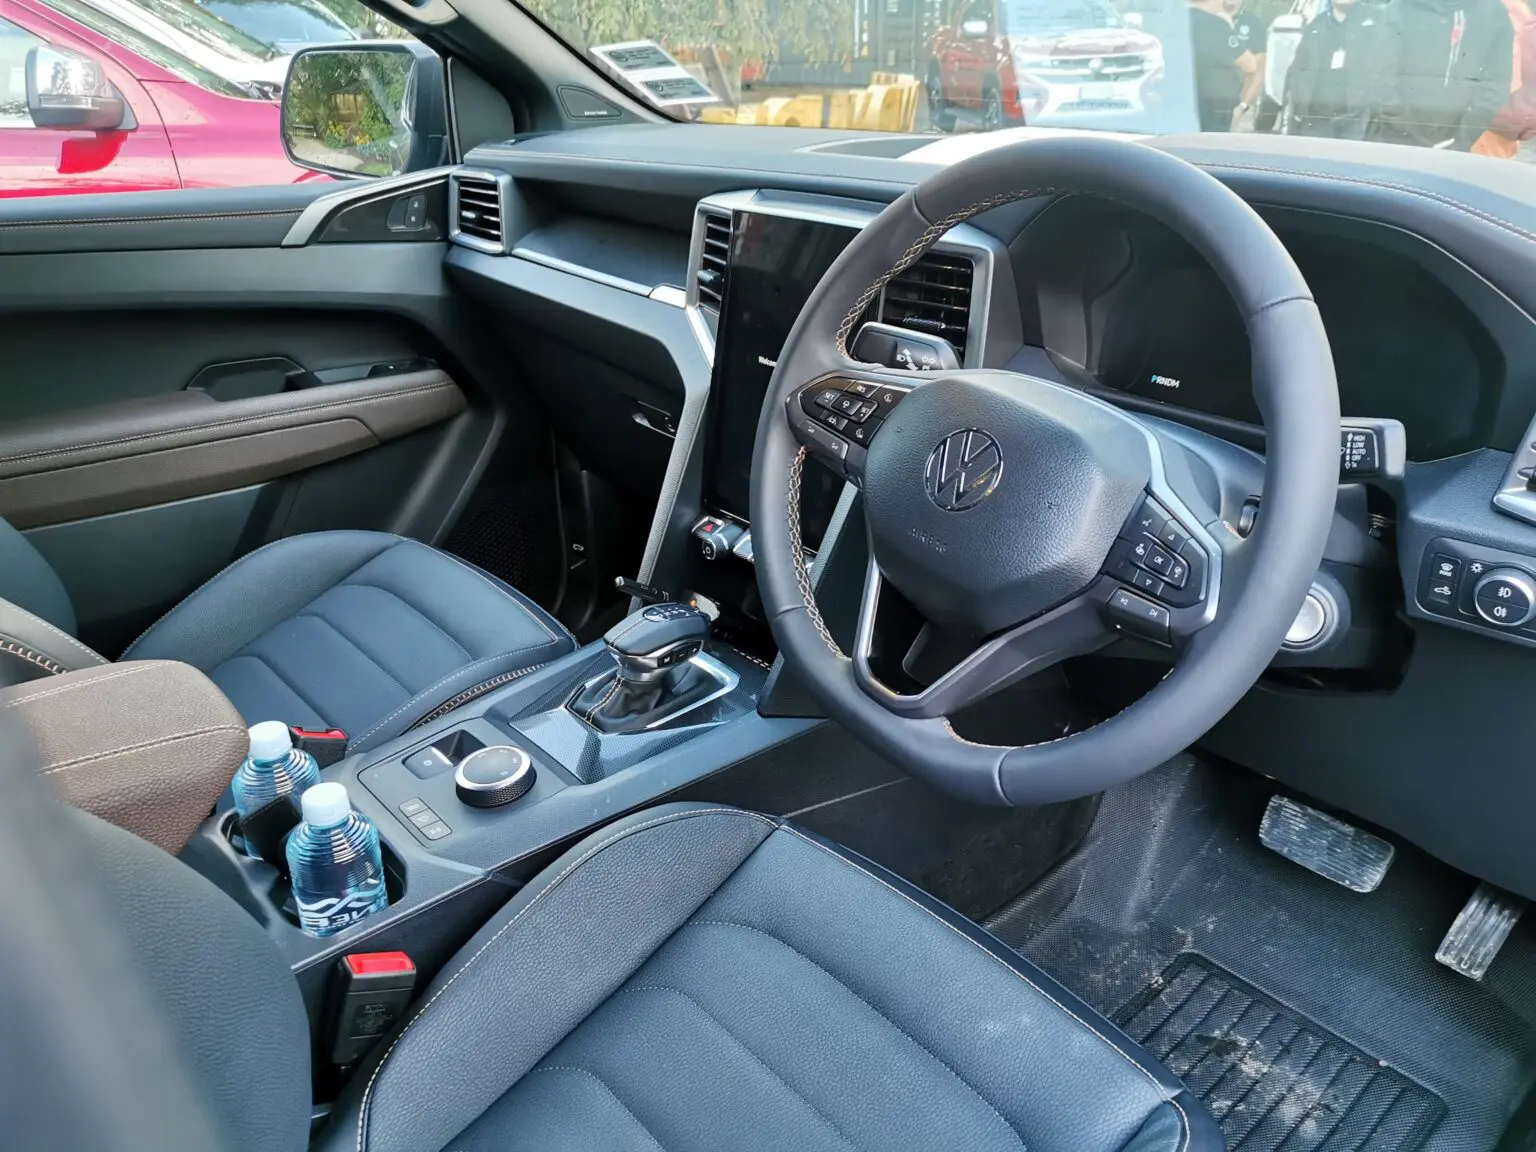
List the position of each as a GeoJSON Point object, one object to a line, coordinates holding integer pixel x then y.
{"type": "Point", "coordinates": [273, 770]}
{"type": "Point", "coordinates": [335, 863]}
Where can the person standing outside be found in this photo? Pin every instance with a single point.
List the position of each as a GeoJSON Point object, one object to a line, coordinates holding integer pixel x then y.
{"type": "Point", "coordinates": [1228, 78]}
{"type": "Point", "coordinates": [1344, 77]}
{"type": "Point", "coordinates": [1252, 33]}
{"type": "Point", "coordinates": [1456, 72]}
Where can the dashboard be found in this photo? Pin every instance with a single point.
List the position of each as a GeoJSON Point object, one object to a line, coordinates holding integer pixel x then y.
{"type": "Point", "coordinates": [1424, 269]}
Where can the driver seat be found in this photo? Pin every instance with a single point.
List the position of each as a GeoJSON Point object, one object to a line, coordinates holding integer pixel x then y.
{"type": "Point", "coordinates": [691, 977]}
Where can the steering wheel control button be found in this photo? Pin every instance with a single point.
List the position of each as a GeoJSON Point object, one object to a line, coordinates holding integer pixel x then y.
{"type": "Point", "coordinates": [1149, 520]}
{"type": "Point", "coordinates": [493, 776]}
{"type": "Point", "coordinates": [828, 398]}
{"type": "Point", "coordinates": [833, 421]}
{"type": "Point", "coordinates": [1505, 597]}
{"type": "Point", "coordinates": [1146, 582]}
{"type": "Point", "coordinates": [1157, 559]}
{"type": "Point", "coordinates": [1137, 616]}
{"type": "Point", "coordinates": [1172, 536]}
{"type": "Point", "coordinates": [887, 397]}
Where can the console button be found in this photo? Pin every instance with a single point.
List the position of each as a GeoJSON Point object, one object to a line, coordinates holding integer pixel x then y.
{"type": "Point", "coordinates": [1442, 579]}
{"type": "Point", "coordinates": [428, 762]}
{"type": "Point", "coordinates": [1137, 616]}
{"type": "Point", "coordinates": [424, 817]}
{"type": "Point", "coordinates": [413, 806]}
{"type": "Point", "coordinates": [436, 831]}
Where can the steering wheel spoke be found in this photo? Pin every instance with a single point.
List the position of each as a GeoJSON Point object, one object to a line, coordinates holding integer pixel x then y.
{"type": "Point", "coordinates": [1075, 628]}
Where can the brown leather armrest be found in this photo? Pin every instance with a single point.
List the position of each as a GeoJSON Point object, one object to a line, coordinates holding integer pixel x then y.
{"type": "Point", "coordinates": [147, 745]}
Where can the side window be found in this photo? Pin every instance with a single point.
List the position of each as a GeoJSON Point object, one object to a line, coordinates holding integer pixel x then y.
{"type": "Point", "coordinates": [15, 43]}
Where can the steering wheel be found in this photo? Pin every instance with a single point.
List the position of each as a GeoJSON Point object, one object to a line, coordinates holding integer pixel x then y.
{"type": "Point", "coordinates": [1036, 520]}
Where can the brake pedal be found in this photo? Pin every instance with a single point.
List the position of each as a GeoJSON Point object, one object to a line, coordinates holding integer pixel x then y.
{"type": "Point", "coordinates": [1479, 931]}
{"type": "Point", "coordinates": [1320, 843]}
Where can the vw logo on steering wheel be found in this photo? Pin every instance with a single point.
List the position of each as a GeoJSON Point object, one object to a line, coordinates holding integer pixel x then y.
{"type": "Point", "coordinates": [963, 470]}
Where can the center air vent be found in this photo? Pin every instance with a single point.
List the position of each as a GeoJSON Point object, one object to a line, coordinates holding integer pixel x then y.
{"type": "Point", "coordinates": [714, 260]}
{"type": "Point", "coordinates": [934, 295]}
{"type": "Point", "coordinates": [477, 211]}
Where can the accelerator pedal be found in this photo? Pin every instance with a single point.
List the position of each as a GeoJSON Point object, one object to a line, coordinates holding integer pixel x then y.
{"type": "Point", "coordinates": [1320, 843]}
{"type": "Point", "coordinates": [1479, 931]}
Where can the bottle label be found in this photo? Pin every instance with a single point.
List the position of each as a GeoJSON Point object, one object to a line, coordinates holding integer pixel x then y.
{"type": "Point", "coordinates": [333, 913]}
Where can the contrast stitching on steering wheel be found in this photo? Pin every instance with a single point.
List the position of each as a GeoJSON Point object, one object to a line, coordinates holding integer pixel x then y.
{"type": "Point", "coordinates": [797, 551]}
{"type": "Point", "coordinates": [924, 242]}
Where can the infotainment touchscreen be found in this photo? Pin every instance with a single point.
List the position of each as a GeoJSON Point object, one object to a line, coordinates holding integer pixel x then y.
{"type": "Point", "coordinates": [776, 261]}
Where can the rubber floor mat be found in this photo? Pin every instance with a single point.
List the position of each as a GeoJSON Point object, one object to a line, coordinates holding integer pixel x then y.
{"type": "Point", "coordinates": [1272, 1078]}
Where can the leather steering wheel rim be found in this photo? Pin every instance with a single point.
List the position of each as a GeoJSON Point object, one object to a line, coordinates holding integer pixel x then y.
{"type": "Point", "coordinates": [1296, 393]}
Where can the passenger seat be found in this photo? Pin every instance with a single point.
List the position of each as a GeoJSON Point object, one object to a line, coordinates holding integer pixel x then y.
{"type": "Point", "coordinates": [363, 631]}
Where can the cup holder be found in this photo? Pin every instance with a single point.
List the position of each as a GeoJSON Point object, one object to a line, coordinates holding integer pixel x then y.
{"type": "Point", "coordinates": [272, 884]}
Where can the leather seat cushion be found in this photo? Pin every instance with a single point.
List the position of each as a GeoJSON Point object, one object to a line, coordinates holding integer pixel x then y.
{"type": "Point", "coordinates": [699, 978]}
{"type": "Point", "coordinates": [361, 631]}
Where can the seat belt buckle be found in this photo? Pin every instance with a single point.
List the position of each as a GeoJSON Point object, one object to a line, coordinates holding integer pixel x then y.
{"type": "Point", "coordinates": [327, 745]}
{"type": "Point", "coordinates": [370, 992]}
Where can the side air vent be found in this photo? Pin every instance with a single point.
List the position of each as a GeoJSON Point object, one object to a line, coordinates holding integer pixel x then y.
{"type": "Point", "coordinates": [478, 205]}
{"type": "Point", "coordinates": [714, 259]}
{"type": "Point", "coordinates": [934, 295]}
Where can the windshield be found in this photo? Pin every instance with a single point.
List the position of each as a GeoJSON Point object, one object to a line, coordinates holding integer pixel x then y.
{"type": "Point", "coordinates": [284, 24]}
{"type": "Point", "coordinates": [1457, 75]}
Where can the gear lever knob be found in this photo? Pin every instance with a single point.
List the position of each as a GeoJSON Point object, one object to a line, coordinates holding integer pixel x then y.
{"type": "Point", "coordinates": [649, 643]}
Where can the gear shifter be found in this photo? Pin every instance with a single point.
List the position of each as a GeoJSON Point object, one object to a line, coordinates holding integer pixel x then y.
{"type": "Point", "coordinates": [653, 678]}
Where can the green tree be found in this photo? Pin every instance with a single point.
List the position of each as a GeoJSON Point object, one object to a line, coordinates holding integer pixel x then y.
{"type": "Point", "coordinates": [816, 31]}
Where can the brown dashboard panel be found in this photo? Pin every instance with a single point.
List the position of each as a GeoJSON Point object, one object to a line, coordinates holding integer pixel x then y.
{"type": "Point", "coordinates": [120, 456]}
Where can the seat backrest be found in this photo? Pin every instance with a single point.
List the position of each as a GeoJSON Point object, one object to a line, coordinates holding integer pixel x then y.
{"type": "Point", "coordinates": [37, 620]}
{"type": "Point", "coordinates": [142, 1007]}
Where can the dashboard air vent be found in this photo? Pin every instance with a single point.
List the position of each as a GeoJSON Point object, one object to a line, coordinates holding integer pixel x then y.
{"type": "Point", "coordinates": [714, 259]}
{"type": "Point", "coordinates": [934, 295]}
{"type": "Point", "coordinates": [477, 207]}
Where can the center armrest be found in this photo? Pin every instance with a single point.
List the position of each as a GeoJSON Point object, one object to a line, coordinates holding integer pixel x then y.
{"type": "Point", "coordinates": [148, 745]}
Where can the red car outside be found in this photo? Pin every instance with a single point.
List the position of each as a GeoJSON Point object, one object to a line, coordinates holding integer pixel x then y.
{"type": "Point", "coordinates": [1069, 63]}
{"type": "Point", "coordinates": [194, 129]}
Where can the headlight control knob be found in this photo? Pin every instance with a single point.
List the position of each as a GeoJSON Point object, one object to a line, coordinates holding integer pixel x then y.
{"type": "Point", "coordinates": [493, 776]}
{"type": "Point", "coordinates": [1505, 597]}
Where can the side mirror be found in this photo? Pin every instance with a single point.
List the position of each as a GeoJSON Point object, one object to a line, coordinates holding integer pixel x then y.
{"type": "Point", "coordinates": [67, 90]}
{"type": "Point", "coordinates": [370, 109]}
{"type": "Point", "coordinates": [975, 29]}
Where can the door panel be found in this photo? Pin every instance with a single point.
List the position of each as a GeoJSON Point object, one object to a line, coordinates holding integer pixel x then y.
{"type": "Point", "coordinates": [128, 455]}
{"type": "Point", "coordinates": [189, 375]}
